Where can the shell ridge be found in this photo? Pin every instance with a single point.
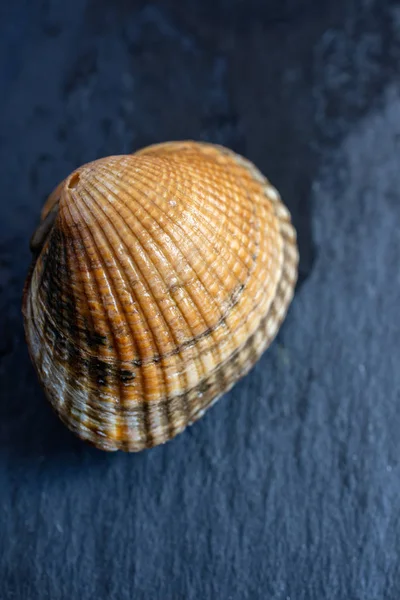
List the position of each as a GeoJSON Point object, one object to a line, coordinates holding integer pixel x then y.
{"type": "Point", "coordinates": [219, 373]}
{"type": "Point", "coordinates": [93, 278]}
{"type": "Point", "coordinates": [179, 165]}
{"type": "Point", "coordinates": [259, 234]}
{"type": "Point", "coordinates": [195, 303]}
{"type": "Point", "coordinates": [48, 325]}
{"type": "Point", "coordinates": [229, 304]}
{"type": "Point", "coordinates": [135, 299]}
{"type": "Point", "coordinates": [189, 328]}
{"type": "Point", "coordinates": [182, 190]}
{"type": "Point", "coordinates": [124, 276]}
{"type": "Point", "coordinates": [44, 253]}
{"type": "Point", "coordinates": [65, 409]}
{"type": "Point", "coordinates": [166, 233]}
{"type": "Point", "coordinates": [221, 321]}
{"type": "Point", "coordinates": [193, 338]}
{"type": "Point", "coordinates": [137, 267]}
{"type": "Point", "coordinates": [139, 242]}
{"type": "Point", "coordinates": [282, 214]}
{"type": "Point", "coordinates": [163, 419]}
{"type": "Point", "coordinates": [215, 345]}
{"type": "Point", "coordinates": [241, 185]}
{"type": "Point", "coordinates": [178, 348]}
{"type": "Point", "coordinates": [67, 387]}
{"type": "Point", "coordinates": [121, 406]}
{"type": "Point", "coordinates": [41, 286]}
{"type": "Point", "coordinates": [256, 227]}
{"type": "Point", "coordinates": [210, 265]}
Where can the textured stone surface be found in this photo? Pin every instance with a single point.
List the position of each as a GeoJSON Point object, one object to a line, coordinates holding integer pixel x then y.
{"type": "Point", "coordinates": [289, 487]}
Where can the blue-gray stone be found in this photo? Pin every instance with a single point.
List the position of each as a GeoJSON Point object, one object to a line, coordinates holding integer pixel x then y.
{"type": "Point", "coordinates": [288, 489]}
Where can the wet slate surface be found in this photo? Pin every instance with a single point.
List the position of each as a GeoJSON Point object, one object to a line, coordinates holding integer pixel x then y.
{"type": "Point", "coordinates": [289, 487]}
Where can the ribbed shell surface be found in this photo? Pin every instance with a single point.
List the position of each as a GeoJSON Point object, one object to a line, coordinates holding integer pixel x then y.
{"type": "Point", "coordinates": [159, 280]}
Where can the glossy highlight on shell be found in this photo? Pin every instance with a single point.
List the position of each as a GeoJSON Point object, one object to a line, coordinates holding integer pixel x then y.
{"type": "Point", "coordinates": [158, 280]}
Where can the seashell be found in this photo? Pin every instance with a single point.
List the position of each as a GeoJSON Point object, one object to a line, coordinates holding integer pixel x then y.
{"type": "Point", "coordinates": [159, 279]}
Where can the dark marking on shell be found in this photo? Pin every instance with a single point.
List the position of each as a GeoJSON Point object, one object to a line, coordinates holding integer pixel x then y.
{"type": "Point", "coordinates": [94, 339]}
{"type": "Point", "coordinates": [126, 376]}
{"type": "Point", "coordinates": [99, 371]}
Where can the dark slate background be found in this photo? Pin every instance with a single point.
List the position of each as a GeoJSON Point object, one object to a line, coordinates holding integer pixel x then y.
{"type": "Point", "coordinates": [289, 488]}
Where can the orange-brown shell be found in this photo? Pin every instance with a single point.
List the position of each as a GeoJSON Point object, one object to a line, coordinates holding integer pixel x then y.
{"type": "Point", "coordinates": [159, 280]}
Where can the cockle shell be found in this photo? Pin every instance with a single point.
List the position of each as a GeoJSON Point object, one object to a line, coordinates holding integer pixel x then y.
{"type": "Point", "coordinates": [159, 279]}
